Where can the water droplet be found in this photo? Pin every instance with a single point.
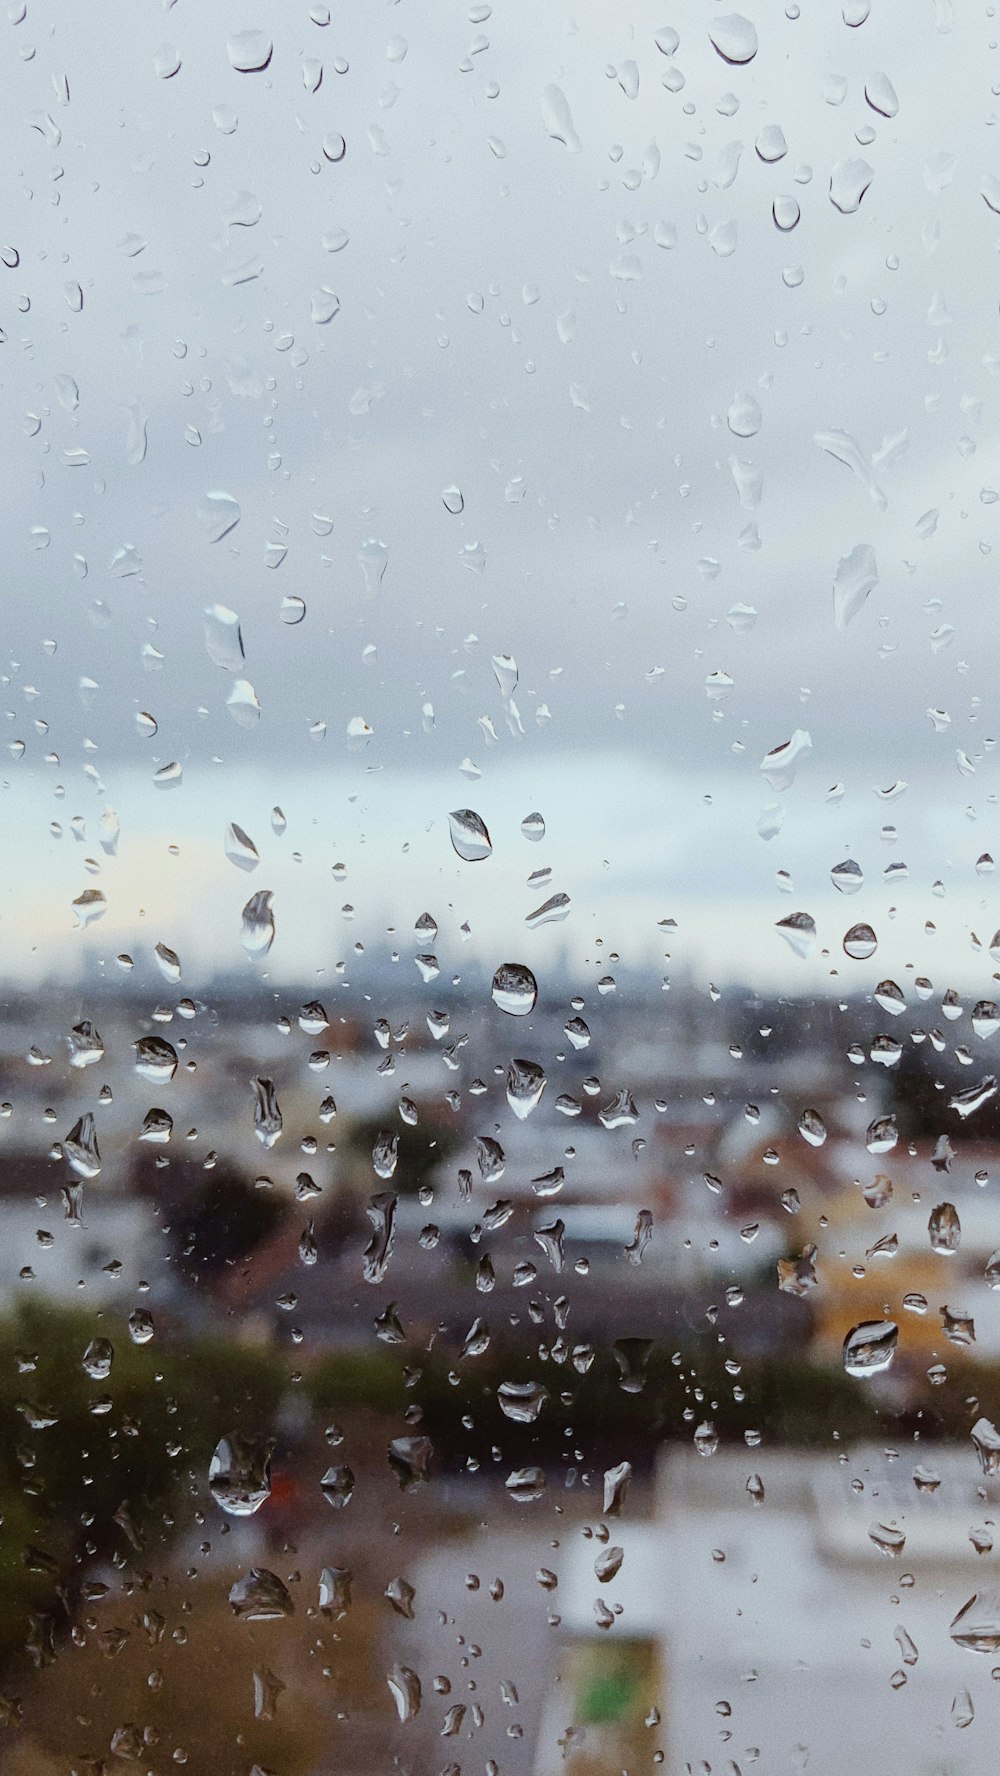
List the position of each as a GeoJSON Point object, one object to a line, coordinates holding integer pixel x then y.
{"type": "Point", "coordinates": [260, 1596]}
{"type": "Point", "coordinates": [881, 95]}
{"type": "Point", "coordinates": [734, 38]}
{"type": "Point", "coordinates": [453, 501]}
{"type": "Point", "coordinates": [223, 639]}
{"type": "Point", "coordinates": [847, 877]}
{"type": "Point", "coordinates": [80, 1150]}
{"type": "Point", "coordinates": [267, 1119]}
{"type": "Point", "coordinates": [887, 1538]}
{"type": "Point", "coordinates": [945, 1229]}
{"type": "Point", "coordinates": [799, 932]}
{"type": "Point", "coordinates": [557, 119]}
{"type": "Point", "coordinates": [373, 558]}
{"type": "Point", "coordinates": [706, 1438]}
{"type": "Point", "coordinates": [616, 1483]}
{"type": "Point", "coordinates": [870, 1347]}
{"type": "Point", "coordinates": [779, 766]}
{"type": "Point", "coordinates": [337, 1487]}
{"type": "Point", "coordinates": [797, 1276]}
{"type": "Point", "coordinates": [409, 1459]}
{"type": "Point", "coordinates": [525, 1084]}
{"type": "Point", "coordinates": [291, 610]}
{"type": "Point", "coordinates": [849, 181]}
{"type": "Point", "coordinates": [98, 1358]}
{"type": "Point", "coordinates": [855, 578]}
{"type": "Point", "coordinates": [335, 1590]}
{"type": "Point", "coordinates": [607, 1564]}
{"type": "Point", "coordinates": [240, 848]}
{"type": "Point", "coordinates": [966, 1102]}
{"type": "Point", "coordinates": [977, 1625]}
{"type": "Point", "coordinates": [385, 1154]}
{"type": "Point", "coordinates": [533, 828]}
{"type": "Point", "coordinates": [324, 306]}
{"type": "Point", "coordinates": [744, 416]}
{"type": "Point", "coordinates": [249, 51]}
{"type": "Point", "coordinates": [155, 1059]}
{"type": "Point", "coordinates": [890, 997]}
{"type": "Point", "coordinates": [218, 514]}
{"type": "Point", "coordinates": [404, 1687]}
{"type": "Point", "coordinates": [381, 1213]}
{"type": "Point", "coordinates": [525, 1485]}
{"type": "Point", "coordinates": [522, 1401]}
{"type": "Point", "coordinates": [860, 942]}
{"type": "Point", "coordinates": [641, 1236]}
{"type": "Point", "coordinates": [85, 1045]}
{"type": "Point", "coordinates": [786, 213]}
{"type": "Point", "coordinates": [812, 1128]}
{"type": "Point", "coordinates": [619, 1112]}
{"type": "Point", "coordinates": [962, 1711]}
{"type": "Point", "coordinates": [631, 1357]}
{"type": "Point", "coordinates": [140, 1326]}
{"type": "Point", "coordinates": [551, 912]}
{"type": "Point", "coordinates": [469, 836]}
{"type": "Point", "coordinates": [88, 907]}
{"type": "Point", "coordinates": [515, 989]}
{"type": "Point", "coordinates": [257, 934]}
{"type": "Point", "coordinates": [239, 1474]}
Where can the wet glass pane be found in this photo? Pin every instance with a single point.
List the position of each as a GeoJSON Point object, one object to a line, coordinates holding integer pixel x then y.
{"type": "Point", "coordinates": [499, 1132]}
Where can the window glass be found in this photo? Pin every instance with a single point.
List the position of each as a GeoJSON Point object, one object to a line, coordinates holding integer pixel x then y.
{"type": "Point", "coordinates": [499, 1132]}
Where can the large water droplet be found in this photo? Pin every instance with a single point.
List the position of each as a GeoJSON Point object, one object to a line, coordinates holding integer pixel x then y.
{"type": "Point", "coordinates": [945, 1229]}
{"type": "Point", "coordinates": [218, 514]}
{"type": "Point", "coordinates": [155, 1059]}
{"type": "Point", "coordinates": [98, 1358]}
{"type": "Point", "coordinates": [373, 557]}
{"type": "Point", "coordinates": [557, 119]}
{"type": "Point", "coordinates": [860, 942]}
{"type": "Point", "coordinates": [779, 766]}
{"type": "Point", "coordinates": [522, 1401]}
{"type": "Point", "coordinates": [249, 51]}
{"type": "Point", "coordinates": [855, 578]}
{"type": "Point", "coordinates": [847, 877]}
{"type": "Point", "coordinates": [257, 934]}
{"type": "Point", "coordinates": [849, 181]}
{"type": "Point", "coordinates": [242, 703]}
{"type": "Point", "coordinates": [799, 932]}
{"type": "Point", "coordinates": [260, 1596]}
{"type": "Point", "coordinates": [381, 1213]}
{"type": "Point", "coordinates": [267, 1119]}
{"type": "Point", "coordinates": [469, 836]}
{"type": "Point", "coordinates": [80, 1150]}
{"type": "Point", "coordinates": [744, 416]}
{"type": "Point", "coordinates": [977, 1625]}
{"type": "Point", "coordinates": [525, 1084]}
{"type": "Point", "coordinates": [734, 38]}
{"type": "Point", "coordinates": [85, 1045]}
{"type": "Point", "coordinates": [223, 639]}
{"type": "Point", "coordinates": [409, 1459]}
{"type": "Point", "coordinates": [404, 1687]}
{"type": "Point", "coordinates": [239, 1474]}
{"type": "Point", "coordinates": [515, 989]}
{"type": "Point", "coordinates": [870, 1347]}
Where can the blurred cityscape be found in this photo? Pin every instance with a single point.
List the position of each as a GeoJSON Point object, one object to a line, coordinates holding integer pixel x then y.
{"type": "Point", "coordinates": [453, 1361]}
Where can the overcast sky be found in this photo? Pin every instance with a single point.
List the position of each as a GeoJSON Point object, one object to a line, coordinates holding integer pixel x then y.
{"type": "Point", "coordinates": [621, 363]}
